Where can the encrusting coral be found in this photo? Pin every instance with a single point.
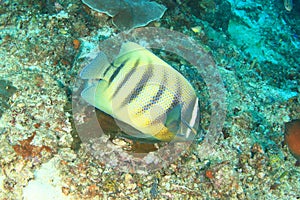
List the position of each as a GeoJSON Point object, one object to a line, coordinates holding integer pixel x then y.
{"type": "Point", "coordinates": [27, 150]}
{"type": "Point", "coordinates": [128, 14]}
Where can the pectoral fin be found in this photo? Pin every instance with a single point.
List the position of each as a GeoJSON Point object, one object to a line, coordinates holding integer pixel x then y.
{"type": "Point", "coordinates": [173, 119]}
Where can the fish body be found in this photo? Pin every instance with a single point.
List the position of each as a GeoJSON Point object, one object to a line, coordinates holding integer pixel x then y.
{"type": "Point", "coordinates": [145, 95]}
{"type": "Point", "coordinates": [292, 137]}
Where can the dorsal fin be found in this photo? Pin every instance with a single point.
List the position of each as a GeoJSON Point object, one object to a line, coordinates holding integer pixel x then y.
{"type": "Point", "coordinates": [137, 52]}
{"type": "Point", "coordinates": [97, 68]}
{"type": "Point", "coordinates": [129, 47]}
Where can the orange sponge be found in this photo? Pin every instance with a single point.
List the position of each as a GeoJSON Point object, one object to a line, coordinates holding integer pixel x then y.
{"type": "Point", "coordinates": [292, 137]}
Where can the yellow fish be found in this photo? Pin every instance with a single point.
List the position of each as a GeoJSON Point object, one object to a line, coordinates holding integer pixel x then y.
{"type": "Point", "coordinates": [148, 98]}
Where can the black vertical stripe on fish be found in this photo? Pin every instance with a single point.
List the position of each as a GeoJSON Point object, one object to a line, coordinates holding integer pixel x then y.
{"type": "Point", "coordinates": [155, 98]}
{"type": "Point", "coordinates": [176, 97]}
{"type": "Point", "coordinates": [107, 69]}
{"type": "Point", "coordinates": [175, 101]}
{"type": "Point", "coordinates": [126, 78]}
{"type": "Point", "coordinates": [139, 86]}
{"type": "Point", "coordinates": [142, 83]}
{"type": "Point", "coordinates": [162, 116]}
{"type": "Point", "coordinates": [116, 72]}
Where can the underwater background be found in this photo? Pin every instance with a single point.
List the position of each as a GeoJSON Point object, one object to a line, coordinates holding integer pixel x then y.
{"type": "Point", "coordinates": [256, 49]}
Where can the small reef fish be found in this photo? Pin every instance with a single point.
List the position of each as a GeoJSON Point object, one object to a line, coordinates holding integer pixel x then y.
{"type": "Point", "coordinates": [292, 137]}
{"type": "Point", "coordinates": [288, 4]}
{"type": "Point", "coordinates": [147, 97]}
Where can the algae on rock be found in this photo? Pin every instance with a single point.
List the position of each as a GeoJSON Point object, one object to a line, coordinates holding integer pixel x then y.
{"type": "Point", "coordinates": [6, 91]}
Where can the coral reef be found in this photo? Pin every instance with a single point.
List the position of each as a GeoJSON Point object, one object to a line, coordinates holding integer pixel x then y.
{"type": "Point", "coordinates": [41, 43]}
